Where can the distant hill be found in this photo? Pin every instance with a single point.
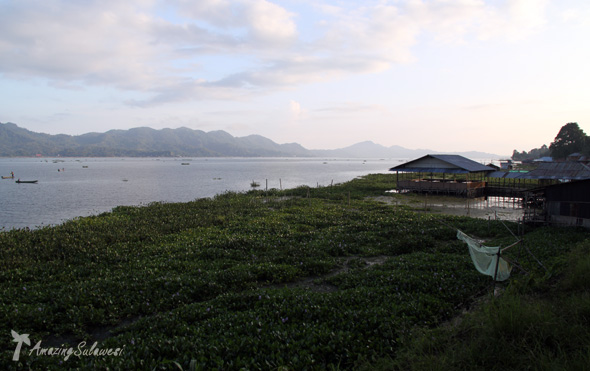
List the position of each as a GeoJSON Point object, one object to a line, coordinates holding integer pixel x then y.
{"type": "Point", "coordinates": [369, 149]}
{"type": "Point", "coordinates": [16, 141]}
{"type": "Point", "coordinates": [146, 142]}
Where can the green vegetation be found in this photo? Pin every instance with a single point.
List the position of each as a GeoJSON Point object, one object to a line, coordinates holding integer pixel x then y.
{"type": "Point", "coordinates": [536, 324]}
{"type": "Point", "coordinates": [533, 154]}
{"type": "Point", "coordinates": [309, 278]}
{"type": "Point", "coordinates": [570, 139]}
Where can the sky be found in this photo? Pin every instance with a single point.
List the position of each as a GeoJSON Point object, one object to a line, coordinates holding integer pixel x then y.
{"type": "Point", "coordinates": [446, 75]}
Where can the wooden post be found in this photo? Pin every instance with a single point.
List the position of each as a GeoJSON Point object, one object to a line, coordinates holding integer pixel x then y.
{"type": "Point", "coordinates": [496, 271]}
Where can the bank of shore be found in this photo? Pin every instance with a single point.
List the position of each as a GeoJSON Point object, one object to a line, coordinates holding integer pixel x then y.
{"type": "Point", "coordinates": [307, 278]}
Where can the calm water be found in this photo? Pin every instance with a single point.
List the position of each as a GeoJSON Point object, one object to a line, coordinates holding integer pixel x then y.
{"type": "Point", "coordinates": [95, 185]}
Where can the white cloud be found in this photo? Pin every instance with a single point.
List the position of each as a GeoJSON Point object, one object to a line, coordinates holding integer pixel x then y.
{"type": "Point", "coordinates": [295, 108]}
{"type": "Point", "coordinates": [577, 16]}
{"type": "Point", "coordinates": [71, 42]}
{"type": "Point", "coordinates": [255, 21]}
{"type": "Point", "coordinates": [269, 22]}
{"type": "Point", "coordinates": [158, 47]}
{"type": "Point", "coordinates": [517, 20]}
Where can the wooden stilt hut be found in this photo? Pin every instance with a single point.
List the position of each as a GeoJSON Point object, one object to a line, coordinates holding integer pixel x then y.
{"type": "Point", "coordinates": [442, 174]}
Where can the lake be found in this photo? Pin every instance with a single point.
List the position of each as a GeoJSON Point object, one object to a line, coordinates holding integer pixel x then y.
{"type": "Point", "coordinates": [73, 187]}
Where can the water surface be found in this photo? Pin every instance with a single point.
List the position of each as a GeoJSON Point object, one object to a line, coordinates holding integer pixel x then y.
{"type": "Point", "coordinates": [72, 187]}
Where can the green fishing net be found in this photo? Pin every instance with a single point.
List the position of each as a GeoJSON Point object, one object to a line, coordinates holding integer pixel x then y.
{"type": "Point", "coordinates": [485, 258]}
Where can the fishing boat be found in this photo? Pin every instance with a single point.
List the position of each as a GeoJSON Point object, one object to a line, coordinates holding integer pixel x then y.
{"type": "Point", "coordinates": [27, 181]}
{"type": "Point", "coordinates": [8, 177]}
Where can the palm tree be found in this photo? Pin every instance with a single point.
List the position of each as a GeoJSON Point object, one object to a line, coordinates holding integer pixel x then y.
{"type": "Point", "coordinates": [19, 339]}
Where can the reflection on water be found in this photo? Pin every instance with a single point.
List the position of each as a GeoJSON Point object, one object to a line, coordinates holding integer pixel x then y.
{"type": "Point", "coordinates": [71, 187]}
{"type": "Point", "coordinates": [495, 202]}
{"type": "Point", "coordinates": [503, 208]}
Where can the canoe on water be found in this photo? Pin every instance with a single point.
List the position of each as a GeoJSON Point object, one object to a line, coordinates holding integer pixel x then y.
{"type": "Point", "coordinates": [27, 181]}
{"type": "Point", "coordinates": [8, 177]}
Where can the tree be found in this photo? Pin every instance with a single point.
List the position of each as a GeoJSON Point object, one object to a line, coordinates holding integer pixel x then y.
{"type": "Point", "coordinates": [570, 139]}
{"type": "Point", "coordinates": [532, 154]}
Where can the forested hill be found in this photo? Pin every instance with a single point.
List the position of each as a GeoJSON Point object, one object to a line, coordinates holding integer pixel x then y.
{"type": "Point", "coordinates": [146, 142]}
{"type": "Point", "coordinates": [16, 141]}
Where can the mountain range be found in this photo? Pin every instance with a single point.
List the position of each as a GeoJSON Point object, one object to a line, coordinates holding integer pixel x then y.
{"type": "Point", "coordinates": [146, 142]}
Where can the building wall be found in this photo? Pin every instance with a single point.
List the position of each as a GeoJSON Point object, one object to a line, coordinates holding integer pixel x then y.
{"type": "Point", "coordinates": [569, 220]}
{"type": "Point", "coordinates": [577, 191]}
{"type": "Point", "coordinates": [568, 212]}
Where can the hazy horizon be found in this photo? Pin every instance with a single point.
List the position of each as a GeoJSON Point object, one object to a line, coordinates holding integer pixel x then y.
{"type": "Point", "coordinates": [434, 150]}
{"type": "Point", "coordinates": [451, 76]}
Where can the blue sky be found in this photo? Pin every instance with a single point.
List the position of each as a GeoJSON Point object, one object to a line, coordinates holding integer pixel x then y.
{"type": "Point", "coordinates": [447, 75]}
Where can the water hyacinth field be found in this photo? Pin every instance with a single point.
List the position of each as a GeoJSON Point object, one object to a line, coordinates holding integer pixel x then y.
{"type": "Point", "coordinates": [307, 278]}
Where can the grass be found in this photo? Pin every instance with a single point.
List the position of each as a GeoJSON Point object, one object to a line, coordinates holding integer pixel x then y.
{"type": "Point", "coordinates": [308, 278]}
{"type": "Point", "coordinates": [544, 327]}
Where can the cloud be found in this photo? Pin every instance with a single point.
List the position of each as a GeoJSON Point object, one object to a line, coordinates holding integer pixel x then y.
{"type": "Point", "coordinates": [579, 16]}
{"type": "Point", "coordinates": [70, 41]}
{"type": "Point", "coordinates": [351, 107]}
{"type": "Point", "coordinates": [160, 48]}
{"type": "Point", "coordinates": [255, 21]}
{"type": "Point", "coordinates": [300, 69]}
{"type": "Point", "coordinates": [517, 20]}
{"type": "Point", "coordinates": [295, 108]}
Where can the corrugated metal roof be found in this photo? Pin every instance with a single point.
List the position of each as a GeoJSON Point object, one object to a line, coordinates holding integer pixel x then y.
{"type": "Point", "coordinates": [559, 170]}
{"type": "Point", "coordinates": [515, 174]}
{"type": "Point", "coordinates": [497, 174]}
{"type": "Point", "coordinates": [442, 164]}
{"type": "Point", "coordinates": [506, 174]}
{"type": "Point", "coordinates": [430, 170]}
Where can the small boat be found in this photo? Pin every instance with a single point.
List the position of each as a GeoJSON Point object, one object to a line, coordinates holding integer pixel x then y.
{"type": "Point", "coordinates": [27, 181]}
{"type": "Point", "coordinates": [8, 177]}
{"type": "Point", "coordinates": [185, 163]}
